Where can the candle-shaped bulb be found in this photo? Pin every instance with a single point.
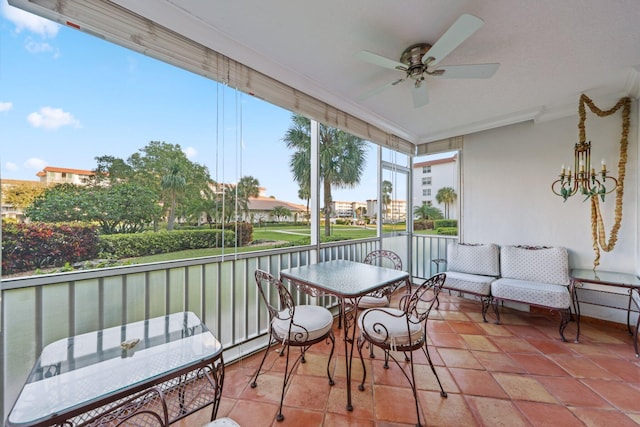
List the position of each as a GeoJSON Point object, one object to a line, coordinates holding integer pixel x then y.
{"type": "Point", "coordinates": [581, 165]}
{"type": "Point", "coordinates": [562, 169]}
{"type": "Point", "coordinates": [604, 165]}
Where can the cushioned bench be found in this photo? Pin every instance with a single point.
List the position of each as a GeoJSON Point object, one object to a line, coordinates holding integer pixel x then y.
{"type": "Point", "coordinates": [471, 268]}
{"type": "Point", "coordinates": [537, 276]}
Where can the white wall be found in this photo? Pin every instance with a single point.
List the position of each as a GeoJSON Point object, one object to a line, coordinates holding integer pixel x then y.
{"type": "Point", "coordinates": [506, 184]}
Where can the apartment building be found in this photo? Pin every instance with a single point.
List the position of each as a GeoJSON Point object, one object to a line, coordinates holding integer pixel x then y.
{"type": "Point", "coordinates": [395, 210]}
{"type": "Point", "coordinates": [430, 176]}
{"type": "Point", "coordinates": [348, 209]}
{"type": "Point", "coordinates": [56, 175]}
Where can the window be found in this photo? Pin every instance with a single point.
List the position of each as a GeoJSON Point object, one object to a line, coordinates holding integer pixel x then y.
{"type": "Point", "coordinates": [426, 169]}
{"type": "Point", "coordinates": [426, 181]}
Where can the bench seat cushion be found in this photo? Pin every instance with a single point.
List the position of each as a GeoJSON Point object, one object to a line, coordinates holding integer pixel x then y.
{"type": "Point", "coordinates": [529, 292]}
{"type": "Point", "coordinates": [538, 264]}
{"type": "Point", "coordinates": [465, 282]}
{"type": "Point", "coordinates": [483, 259]}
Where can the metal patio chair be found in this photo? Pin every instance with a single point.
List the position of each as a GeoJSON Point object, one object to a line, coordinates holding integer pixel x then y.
{"type": "Point", "coordinates": [402, 329]}
{"type": "Point", "coordinates": [292, 326]}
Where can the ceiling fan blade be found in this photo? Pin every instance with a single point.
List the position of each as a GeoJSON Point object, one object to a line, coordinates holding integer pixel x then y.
{"type": "Point", "coordinates": [420, 96]}
{"type": "Point", "coordinates": [471, 71]}
{"type": "Point", "coordinates": [378, 90]}
{"type": "Point", "coordinates": [462, 29]}
{"type": "Point", "coordinates": [381, 61]}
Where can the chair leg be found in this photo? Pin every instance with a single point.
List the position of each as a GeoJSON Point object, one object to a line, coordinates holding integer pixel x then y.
{"type": "Point", "coordinates": [486, 302]}
{"type": "Point", "coordinates": [565, 316]}
{"type": "Point", "coordinates": [386, 359]}
{"type": "Point", "coordinates": [425, 349]}
{"type": "Point", "coordinates": [635, 336]}
{"type": "Point", "coordinates": [280, 417]}
{"type": "Point", "coordinates": [333, 346]}
{"type": "Point", "coordinates": [496, 310]}
{"type": "Point", "coordinates": [412, 382]}
{"type": "Point", "coordinates": [361, 342]}
{"type": "Point", "coordinates": [254, 383]}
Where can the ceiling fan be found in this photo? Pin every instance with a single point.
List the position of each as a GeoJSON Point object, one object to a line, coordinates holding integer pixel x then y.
{"type": "Point", "coordinates": [421, 59]}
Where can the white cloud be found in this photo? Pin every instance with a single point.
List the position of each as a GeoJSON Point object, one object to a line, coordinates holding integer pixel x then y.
{"type": "Point", "coordinates": [34, 46]}
{"type": "Point", "coordinates": [10, 166]}
{"type": "Point", "coordinates": [52, 118]}
{"type": "Point", "coordinates": [35, 163]}
{"type": "Point", "coordinates": [190, 152]}
{"type": "Point", "coordinates": [6, 106]}
{"type": "Point", "coordinates": [29, 22]}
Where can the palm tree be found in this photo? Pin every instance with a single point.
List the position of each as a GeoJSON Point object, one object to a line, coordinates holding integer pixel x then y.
{"type": "Point", "coordinates": [387, 188]}
{"type": "Point", "coordinates": [173, 185]}
{"type": "Point", "coordinates": [446, 195]}
{"type": "Point", "coordinates": [208, 204]}
{"type": "Point", "coordinates": [304, 193]}
{"type": "Point", "coordinates": [425, 212]}
{"type": "Point", "coordinates": [248, 187]}
{"type": "Point", "coordinates": [342, 159]}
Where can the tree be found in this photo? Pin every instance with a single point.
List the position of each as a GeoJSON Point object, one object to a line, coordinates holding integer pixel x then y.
{"type": "Point", "coordinates": [304, 193]}
{"type": "Point", "coordinates": [248, 187]}
{"type": "Point", "coordinates": [387, 188]}
{"type": "Point", "coordinates": [446, 196]}
{"type": "Point", "coordinates": [208, 204]}
{"type": "Point", "coordinates": [280, 212]}
{"type": "Point", "coordinates": [173, 185]}
{"type": "Point", "coordinates": [342, 159]}
{"type": "Point", "coordinates": [149, 166]}
{"type": "Point", "coordinates": [22, 194]}
{"type": "Point", "coordinates": [228, 204]}
{"type": "Point", "coordinates": [119, 208]}
{"type": "Point", "coordinates": [427, 212]}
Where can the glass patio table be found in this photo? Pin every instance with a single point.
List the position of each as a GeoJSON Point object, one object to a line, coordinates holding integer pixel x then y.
{"type": "Point", "coordinates": [349, 281]}
{"type": "Point", "coordinates": [171, 365]}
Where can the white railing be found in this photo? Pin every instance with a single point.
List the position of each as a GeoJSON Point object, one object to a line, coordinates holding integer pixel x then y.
{"type": "Point", "coordinates": [38, 310]}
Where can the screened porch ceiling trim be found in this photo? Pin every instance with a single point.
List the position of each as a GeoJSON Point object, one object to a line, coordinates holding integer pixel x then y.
{"type": "Point", "coordinates": [118, 25]}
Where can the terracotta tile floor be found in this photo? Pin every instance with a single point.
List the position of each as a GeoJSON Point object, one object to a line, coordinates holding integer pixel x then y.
{"type": "Point", "coordinates": [518, 373]}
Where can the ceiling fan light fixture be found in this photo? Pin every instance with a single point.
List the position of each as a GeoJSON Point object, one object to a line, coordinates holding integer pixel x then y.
{"type": "Point", "coordinates": [415, 62]}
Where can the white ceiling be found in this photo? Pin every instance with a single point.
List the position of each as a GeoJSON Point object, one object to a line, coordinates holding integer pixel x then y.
{"type": "Point", "coordinates": [550, 52]}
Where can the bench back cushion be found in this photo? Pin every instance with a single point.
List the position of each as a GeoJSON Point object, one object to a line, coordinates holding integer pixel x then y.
{"type": "Point", "coordinates": [483, 259]}
{"type": "Point", "coordinates": [535, 264]}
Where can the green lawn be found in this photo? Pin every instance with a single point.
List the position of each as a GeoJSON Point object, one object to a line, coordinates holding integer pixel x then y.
{"type": "Point", "coordinates": [276, 235]}
{"type": "Point", "coordinates": [268, 237]}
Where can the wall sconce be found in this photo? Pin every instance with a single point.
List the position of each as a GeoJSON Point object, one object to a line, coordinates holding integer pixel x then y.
{"type": "Point", "coordinates": [584, 179]}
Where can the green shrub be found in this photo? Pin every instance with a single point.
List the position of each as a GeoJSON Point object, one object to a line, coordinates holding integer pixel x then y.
{"type": "Point", "coordinates": [447, 231]}
{"type": "Point", "coordinates": [423, 224]}
{"type": "Point", "coordinates": [245, 231]}
{"type": "Point", "coordinates": [39, 245]}
{"type": "Point", "coordinates": [441, 223]}
{"type": "Point", "coordinates": [150, 243]}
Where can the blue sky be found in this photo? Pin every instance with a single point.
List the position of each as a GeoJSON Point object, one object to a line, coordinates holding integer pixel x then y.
{"type": "Point", "coordinates": [67, 97]}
